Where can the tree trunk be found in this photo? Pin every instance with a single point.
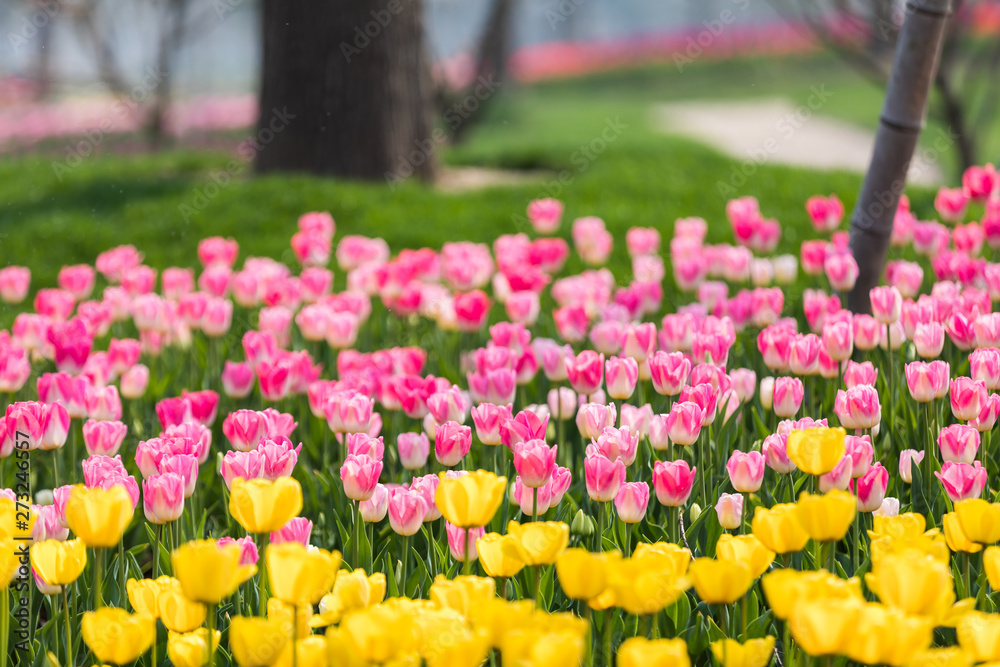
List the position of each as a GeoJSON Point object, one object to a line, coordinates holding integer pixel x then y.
{"type": "Point", "coordinates": [171, 38]}
{"type": "Point", "coordinates": [913, 72]}
{"type": "Point", "coordinates": [491, 66]}
{"type": "Point", "coordinates": [346, 90]}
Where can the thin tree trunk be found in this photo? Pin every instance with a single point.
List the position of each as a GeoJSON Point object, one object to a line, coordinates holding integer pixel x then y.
{"type": "Point", "coordinates": [913, 72]}
{"type": "Point", "coordinates": [491, 64]}
{"type": "Point", "coordinates": [346, 90]}
{"type": "Point", "coordinates": [107, 67]}
{"type": "Point", "coordinates": [171, 38]}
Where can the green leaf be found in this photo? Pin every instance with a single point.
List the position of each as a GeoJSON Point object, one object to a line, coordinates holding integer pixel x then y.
{"type": "Point", "coordinates": [759, 627]}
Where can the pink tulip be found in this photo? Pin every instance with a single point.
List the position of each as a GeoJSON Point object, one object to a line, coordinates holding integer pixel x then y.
{"type": "Point", "coordinates": [592, 240]}
{"type": "Point", "coordinates": [637, 418]}
{"type": "Point", "coordinates": [838, 340]}
{"type": "Point", "coordinates": [788, 395]}
{"type": "Point", "coordinates": [838, 478]}
{"type": "Point", "coordinates": [217, 251]}
{"type": "Point", "coordinates": [184, 465]}
{"type": "Point", "coordinates": [871, 488]}
{"type": "Point", "coordinates": [413, 449]}
{"type": "Point", "coordinates": [980, 183]}
{"type": "Point", "coordinates": [448, 405]}
{"type": "Point", "coordinates": [27, 418]}
{"type": "Point", "coordinates": [462, 542]}
{"type": "Point", "coordinates": [535, 462]}
{"type": "Point", "coordinates": [887, 304]}
{"type": "Point", "coordinates": [247, 465]}
{"type": "Point", "coordinates": [298, 529]}
{"type": "Point", "coordinates": [729, 509]}
{"type": "Point", "coordinates": [66, 389]}
{"type": "Point", "coordinates": [163, 498]}
{"type": "Point", "coordinates": [984, 365]}
{"type": "Point", "coordinates": [988, 415]}
{"type": "Point", "coordinates": [407, 511]}
{"type": "Point", "coordinates": [859, 448]}
{"type": "Point", "coordinates": [244, 429]}
{"type": "Point", "coordinates": [562, 403]}
{"type": "Point", "coordinates": [858, 407]}
{"type": "Point", "coordinates": [545, 214]}
{"type": "Point", "coordinates": [704, 396]}
{"type": "Point", "coordinates": [775, 344]}
{"type": "Point", "coordinates": [603, 476]}
{"type": "Point", "coordinates": [237, 379]}
{"type": "Point", "coordinates": [360, 476]}
{"type": "Point", "coordinates": [867, 332]}
{"type": "Point", "coordinates": [78, 280]}
{"type": "Point", "coordinates": [496, 386]}
{"type": "Point", "coordinates": [60, 496]}
{"type": "Point", "coordinates": [489, 419]}
{"type": "Point", "coordinates": [362, 443]}
{"type": "Point", "coordinates": [55, 304]}
{"type": "Point", "coordinates": [673, 482]}
{"type": "Point", "coordinates": [958, 443]}
{"type": "Point", "coordinates": [927, 381]}
{"type": "Point", "coordinates": [860, 374]}
{"type": "Point", "coordinates": [349, 412]}
{"type": "Point", "coordinates": [841, 270]}
{"type": "Point", "coordinates": [593, 418]}
{"type": "Point", "coordinates": [909, 459]}
{"type": "Point", "coordinates": [48, 525]}
{"type": "Point", "coordinates": [248, 550]}
{"type": "Point", "coordinates": [803, 358]}
{"type": "Point", "coordinates": [374, 509]}
{"type": "Point", "coordinates": [825, 212]}
{"type": "Point", "coordinates": [968, 397]}
{"type": "Point", "coordinates": [617, 443]}
{"type": "Point", "coordinates": [638, 341]}
{"type": "Point", "coordinates": [585, 372]}
{"type": "Point", "coordinates": [746, 470]}
{"type": "Point", "coordinates": [278, 458]}
{"type": "Point", "coordinates": [452, 442]}
{"type": "Point", "coordinates": [669, 372]}
{"type": "Point", "coordinates": [631, 501]}
{"type": "Point", "coordinates": [775, 453]}
{"type": "Point", "coordinates": [962, 481]}
{"type": "Point", "coordinates": [134, 382]}
{"type": "Point", "coordinates": [103, 438]}
{"type": "Point", "coordinates": [684, 422]}
{"type": "Point", "coordinates": [951, 204]}
{"type": "Point", "coordinates": [526, 425]}
{"type": "Point", "coordinates": [622, 374]}
{"type": "Point", "coordinates": [55, 427]}
{"type": "Point", "coordinates": [929, 340]}
{"type": "Point", "coordinates": [14, 283]}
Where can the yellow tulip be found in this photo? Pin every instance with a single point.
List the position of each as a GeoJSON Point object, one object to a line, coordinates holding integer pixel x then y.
{"type": "Point", "coordinates": [826, 518]}
{"type": "Point", "coordinates": [16, 522]}
{"type": "Point", "coordinates": [583, 575]}
{"type": "Point", "coordinates": [98, 516]}
{"type": "Point", "coordinates": [500, 555]}
{"type": "Point", "coordinates": [784, 589]}
{"type": "Point", "coordinates": [143, 593]}
{"type": "Point", "coordinates": [263, 506]}
{"type": "Point", "coordinates": [10, 560]}
{"type": "Point", "coordinates": [676, 558]}
{"type": "Point", "coordinates": [341, 651]}
{"type": "Point", "coordinates": [778, 528]}
{"type": "Point", "coordinates": [913, 584]}
{"type": "Point", "coordinates": [824, 626]}
{"type": "Point", "coordinates": [720, 581]}
{"type": "Point", "coordinates": [953, 656]}
{"type": "Point", "coordinates": [470, 501]}
{"type": "Point", "coordinates": [59, 563]}
{"type": "Point", "coordinates": [309, 652]}
{"type": "Point", "coordinates": [888, 636]}
{"type": "Point", "coordinates": [300, 575]}
{"type": "Point", "coordinates": [746, 548]}
{"type": "Point", "coordinates": [116, 636]}
{"type": "Point", "coordinates": [991, 563]}
{"type": "Point", "coordinates": [191, 649]}
{"type": "Point", "coordinates": [285, 613]}
{"type": "Point", "coordinates": [464, 648]}
{"type": "Point", "coordinates": [932, 543]}
{"type": "Point", "coordinates": [498, 617]}
{"type": "Point", "coordinates": [642, 652]}
{"type": "Point", "coordinates": [642, 585]}
{"type": "Point", "coordinates": [257, 642]}
{"type": "Point", "coordinates": [379, 633]}
{"type": "Point", "coordinates": [816, 451]}
{"type": "Point", "coordinates": [752, 653]}
{"type": "Point", "coordinates": [462, 593]}
{"type": "Point", "coordinates": [909, 524]}
{"type": "Point", "coordinates": [352, 590]}
{"type": "Point", "coordinates": [980, 520]}
{"type": "Point", "coordinates": [207, 572]}
{"type": "Point", "coordinates": [529, 646]}
{"type": "Point", "coordinates": [178, 613]}
{"type": "Point", "coordinates": [979, 635]}
{"type": "Point", "coordinates": [541, 542]}
{"type": "Point", "coordinates": [955, 536]}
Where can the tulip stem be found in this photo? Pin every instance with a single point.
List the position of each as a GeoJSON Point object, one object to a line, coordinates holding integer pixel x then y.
{"type": "Point", "coordinates": [535, 571]}
{"type": "Point", "coordinates": [69, 631]}
{"type": "Point", "coordinates": [403, 558]}
{"type": "Point", "coordinates": [98, 578]}
{"type": "Point", "coordinates": [466, 549]}
{"type": "Point", "coordinates": [600, 527]}
{"type": "Point", "coordinates": [607, 638]}
{"type": "Point", "coordinates": [4, 625]}
{"type": "Point", "coordinates": [588, 657]}
{"type": "Point", "coordinates": [211, 634]}
{"type": "Point", "coordinates": [262, 576]}
{"type": "Point", "coordinates": [156, 550]}
{"type": "Point", "coordinates": [295, 635]}
{"type": "Point", "coordinates": [356, 539]}
{"type": "Point", "coordinates": [122, 597]}
{"type": "Point", "coordinates": [534, 504]}
{"type": "Point", "coordinates": [928, 466]}
{"type": "Point", "coordinates": [855, 554]}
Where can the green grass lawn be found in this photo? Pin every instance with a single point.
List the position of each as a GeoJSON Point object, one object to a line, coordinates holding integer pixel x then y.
{"type": "Point", "coordinates": [165, 203]}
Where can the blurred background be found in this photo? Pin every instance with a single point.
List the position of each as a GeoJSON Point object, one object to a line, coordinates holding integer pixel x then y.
{"type": "Point", "coordinates": [232, 114]}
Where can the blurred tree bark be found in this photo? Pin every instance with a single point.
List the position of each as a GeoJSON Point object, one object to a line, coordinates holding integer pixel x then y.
{"type": "Point", "coordinates": [346, 90]}
{"type": "Point", "coordinates": [913, 74]}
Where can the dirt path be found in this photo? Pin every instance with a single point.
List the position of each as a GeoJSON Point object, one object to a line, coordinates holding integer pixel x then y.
{"type": "Point", "coordinates": [778, 132]}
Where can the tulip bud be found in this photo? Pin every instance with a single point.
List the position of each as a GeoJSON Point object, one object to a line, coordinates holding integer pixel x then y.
{"type": "Point", "coordinates": [582, 524]}
{"type": "Point", "coordinates": [694, 512]}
